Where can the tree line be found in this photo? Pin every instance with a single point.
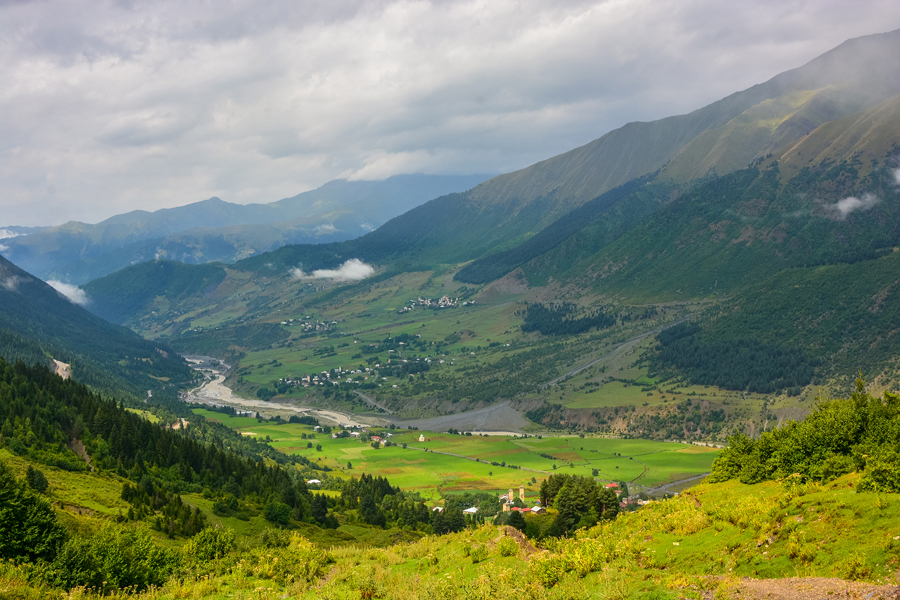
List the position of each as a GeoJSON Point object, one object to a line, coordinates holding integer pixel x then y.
{"type": "Point", "coordinates": [860, 433]}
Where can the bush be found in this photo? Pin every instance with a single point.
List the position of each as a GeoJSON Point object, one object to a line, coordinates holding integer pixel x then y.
{"type": "Point", "coordinates": [479, 554]}
{"type": "Point", "coordinates": [28, 526]}
{"type": "Point", "coordinates": [36, 480]}
{"type": "Point", "coordinates": [547, 570]}
{"type": "Point", "coordinates": [277, 512]}
{"type": "Point", "coordinates": [109, 560]}
{"type": "Point", "coordinates": [508, 546]}
{"type": "Point", "coordinates": [210, 544]}
{"type": "Point", "coordinates": [275, 538]}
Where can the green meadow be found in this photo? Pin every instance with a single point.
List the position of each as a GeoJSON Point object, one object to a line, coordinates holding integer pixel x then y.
{"type": "Point", "coordinates": [451, 462]}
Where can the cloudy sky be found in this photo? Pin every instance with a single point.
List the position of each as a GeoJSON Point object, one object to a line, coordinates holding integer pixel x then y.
{"type": "Point", "coordinates": [107, 107]}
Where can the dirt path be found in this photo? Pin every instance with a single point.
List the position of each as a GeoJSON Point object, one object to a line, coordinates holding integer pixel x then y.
{"type": "Point", "coordinates": [372, 402]}
{"type": "Point", "coordinates": [622, 346]}
{"type": "Point", "coordinates": [669, 486]}
{"type": "Point", "coordinates": [812, 588]}
{"type": "Point", "coordinates": [77, 446]}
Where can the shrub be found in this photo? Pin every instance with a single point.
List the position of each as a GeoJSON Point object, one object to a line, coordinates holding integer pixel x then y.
{"type": "Point", "coordinates": [275, 538]}
{"type": "Point", "coordinates": [299, 560]}
{"type": "Point", "coordinates": [508, 546]}
{"type": "Point", "coordinates": [478, 554]}
{"type": "Point", "coordinates": [277, 512]}
{"type": "Point", "coordinates": [210, 544]}
{"type": "Point", "coordinates": [111, 559]}
{"type": "Point", "coordinates": [28, 526]}
{"type": "Point", "coordinates": [36, 480]}
{"type": "Point", "coordinates": [547, 570]}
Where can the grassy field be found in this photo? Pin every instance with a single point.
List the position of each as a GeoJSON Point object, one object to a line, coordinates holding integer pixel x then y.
{"type": "Point", "coordinates": [448, 461]}
{"type": "Point", "coordinates": [715, 541]}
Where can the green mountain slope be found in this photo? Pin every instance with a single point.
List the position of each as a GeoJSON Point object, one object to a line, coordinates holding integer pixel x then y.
{"type": "Point", "coordinates": [855, 74]}
{"type": "Point", "coordinates": [718, 139]}
{"type": "Point", "coordinates": [36, 318]}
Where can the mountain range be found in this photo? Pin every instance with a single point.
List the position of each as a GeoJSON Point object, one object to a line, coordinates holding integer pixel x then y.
{"type": "Point", "coordinates": [215, 230]}
{"type": "Point", "coordinates": [793, 182]}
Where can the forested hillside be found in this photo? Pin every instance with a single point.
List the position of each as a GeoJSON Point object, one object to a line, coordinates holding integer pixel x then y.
{"type": "Point", "coordinates": [38, 324]}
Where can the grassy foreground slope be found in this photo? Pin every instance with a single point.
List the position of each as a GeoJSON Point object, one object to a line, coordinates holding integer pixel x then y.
{"type": "Point", "coordinates": [721, 540]}
{"type": "Point", "coordinates": [705, 542]}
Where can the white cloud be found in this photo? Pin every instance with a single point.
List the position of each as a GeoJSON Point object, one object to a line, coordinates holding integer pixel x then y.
{"type": "Point", "coordinates": [352, 270]}
{"type": "Point", "coordinates": [6, 234]}
{"type": "Point", "coordinates": [110, 106]}
{"type": "Point", "coordinates": [842, 208]}
{"type": "Point", "coordinates": [3, 248]}
{"type": "Point", "coordinates": [72, 292]}
{"type": "Point", "coordinates": [10, 283]}
{"type": "Point", "coordinates": [897, 176]}
{"type": "Point", "coordinates": [325, 229]}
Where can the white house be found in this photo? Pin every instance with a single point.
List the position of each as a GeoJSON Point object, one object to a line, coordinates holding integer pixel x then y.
{"type": "Point", "coordinates": [471, 511]}
{"type": "Point", "coordinates": [313, 482]}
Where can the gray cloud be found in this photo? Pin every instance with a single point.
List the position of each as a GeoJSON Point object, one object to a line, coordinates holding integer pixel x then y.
{"type": "Point", "coordinates": [352, 270]}
{"type": "Point", "coordinates": [111, 106]}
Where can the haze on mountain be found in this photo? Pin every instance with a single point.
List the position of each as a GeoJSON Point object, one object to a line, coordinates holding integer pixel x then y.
{"type": "Point", "coordinates": [215, 230]}
{"type": "Point", "coordinates": [727, 135]}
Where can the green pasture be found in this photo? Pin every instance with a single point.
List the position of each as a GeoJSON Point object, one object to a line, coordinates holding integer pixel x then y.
{"type": "Point", "coordinates": [646, 462]}
{"type": "Point", "coordinates": [80, 492]}
{"type": "Point", "coordinates": [227, 420]}
{"type": "Point", "coordinates": [145, 414]}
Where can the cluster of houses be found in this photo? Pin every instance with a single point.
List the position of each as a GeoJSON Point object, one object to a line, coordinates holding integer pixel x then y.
{"type": "Point", "coordinates": [356, 432]}
{"type": "Point", "coordinates": [335, 376]}
{"type": "Point", "coordinates": [507, 501]}
{"type": "Point", "coordinates": [442, 302]}
{"type": "Point", "coordinates": [308, 324]}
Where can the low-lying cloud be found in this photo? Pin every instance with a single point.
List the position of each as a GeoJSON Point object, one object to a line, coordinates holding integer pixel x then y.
{"type": "Point", "coordinates": [842, 208]}
{"type": "Point", "coordinates": [352, 270]}
{"type": "Point", "coordinates": [10, 283]}
{"type": "Point", "coordinates": [72, 292]}
{"type": "Point", "coordinates": [897, 176]}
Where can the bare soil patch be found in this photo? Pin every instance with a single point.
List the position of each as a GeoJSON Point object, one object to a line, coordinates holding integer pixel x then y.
{"type": "Point", "coordinates": [813, 588]}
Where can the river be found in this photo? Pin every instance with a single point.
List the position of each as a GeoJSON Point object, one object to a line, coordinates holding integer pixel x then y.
{"type": "Point", "coordinates": [214, 392]}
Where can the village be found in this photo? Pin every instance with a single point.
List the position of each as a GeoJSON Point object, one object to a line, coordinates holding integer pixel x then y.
{"type": "Point", "coordinates": [442, 302]}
